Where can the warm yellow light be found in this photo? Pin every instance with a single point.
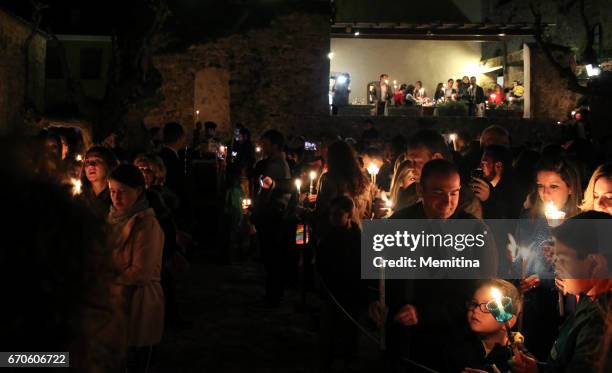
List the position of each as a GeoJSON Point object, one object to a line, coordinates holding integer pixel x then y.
{"type": "Point", "coordinates": [79, 158]}
{"type": "Point", "coordinates": [496, 294]}
{"type": "Point", "coordinates": [312, 175]}
{"type": "Point", "coordinates": [76, 186]}
{"type": "Point", "coordinates": [373, 169]}
{"type": "Point", "coordinates": [551, 212]}
{"type": "Point", "coordinates": [258, 149]}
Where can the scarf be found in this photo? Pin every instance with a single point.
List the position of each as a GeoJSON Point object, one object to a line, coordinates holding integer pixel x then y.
{"type": "Point", "coordinates": [119, 218]}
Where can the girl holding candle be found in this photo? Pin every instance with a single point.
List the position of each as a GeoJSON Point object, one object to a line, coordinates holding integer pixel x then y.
{"type": "Point", "coordinates": [558, 192]}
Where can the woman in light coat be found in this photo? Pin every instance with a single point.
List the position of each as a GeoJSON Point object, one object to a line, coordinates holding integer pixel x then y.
{"type": "Point", "coordinates": [137, 241]}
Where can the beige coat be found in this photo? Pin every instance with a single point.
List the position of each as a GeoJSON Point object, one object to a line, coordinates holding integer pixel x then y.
{"type": "Point", "coordinates": [137, 252]}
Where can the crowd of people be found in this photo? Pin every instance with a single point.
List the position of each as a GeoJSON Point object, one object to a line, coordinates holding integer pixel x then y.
{"type": "Point", "coordinates": [300, 202]}
{"type": "Point", "coordinates": [465, 90]}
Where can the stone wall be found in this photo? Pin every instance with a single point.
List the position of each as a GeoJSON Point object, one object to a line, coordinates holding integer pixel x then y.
{"type": "Point", "coordinates": [550, 97]}
{"type": "Point", "coordinates": [277, 75]}
{"type": "Point", "coordinates": [13, 34]}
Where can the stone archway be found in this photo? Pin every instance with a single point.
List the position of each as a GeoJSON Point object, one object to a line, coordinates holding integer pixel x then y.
{"type": "Point", "coordinates": [212, 97]}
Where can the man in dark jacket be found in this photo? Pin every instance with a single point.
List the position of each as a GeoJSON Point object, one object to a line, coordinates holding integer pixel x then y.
{"type": "Point", "coordinates": [422, 312]}
{"type": "Point", "coordinates": [476, 98]}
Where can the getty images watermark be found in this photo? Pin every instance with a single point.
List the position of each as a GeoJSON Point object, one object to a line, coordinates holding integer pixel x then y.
{"type": "Point", "coordinates": [458, 249]}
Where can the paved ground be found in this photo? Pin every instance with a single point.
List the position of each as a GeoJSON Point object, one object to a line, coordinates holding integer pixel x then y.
{"type": "Point", "coordinates": [232, 332]}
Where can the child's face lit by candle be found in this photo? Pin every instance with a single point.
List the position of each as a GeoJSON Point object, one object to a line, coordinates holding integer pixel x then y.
{"type": "Point", "coordinates": [482, 322]}
{"type": "Point", "coordinates": [552, 188]}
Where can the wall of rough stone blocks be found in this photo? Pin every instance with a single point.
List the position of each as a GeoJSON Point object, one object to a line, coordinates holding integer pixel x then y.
{"type": "Point", "coordinates": [550, 97]}
{"type": "Point", "coordinates": [277, 75]}
{"type": "Point", "coordinates": [13, 33]}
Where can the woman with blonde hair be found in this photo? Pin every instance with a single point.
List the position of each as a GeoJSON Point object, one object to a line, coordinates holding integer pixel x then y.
{"type": "Point", "coordinates": [598, 193]}
{"type": "Point", "coordinates": [154, 172]}
{"type": "Point", "coordinates": [402, 179]}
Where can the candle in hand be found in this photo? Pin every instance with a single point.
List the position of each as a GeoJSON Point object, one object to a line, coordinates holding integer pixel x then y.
{"type": "Point", "coordinates": [313, 176]}
{"type": "Point", "coordinates": [298, 186]}
{"type": "Point", "coordinates": [553, 215]}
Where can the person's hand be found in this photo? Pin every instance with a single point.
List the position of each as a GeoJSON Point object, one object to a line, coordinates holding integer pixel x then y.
{"type": "Point", "coordinates": [560, 284]}
{"type": "Point", "coordinates": [312, 198]}
{"type": "Point", "coordinates": [481, 189]}
{"type": "Point", "coordinates": [522, 363]}
{"type": "Point", "coordinates": [380, 208]}
{"type": "Point", "coordinates": [407, 315]}
{"type": "Point", "coordinates": [267, 182]}
{"type": "Point", "coordinates": [378, 313]}
{"type": "Point", "coordinates": [530, 283]}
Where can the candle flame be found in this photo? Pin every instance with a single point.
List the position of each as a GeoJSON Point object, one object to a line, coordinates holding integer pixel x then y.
{"type": "Point", "coordinates": [298, 183]}
{"type": "Point", "coordinates": [552, 212]}
{"type": "Point", "coordinates": [453, 136]}
{"type": "Point", "coordinates": [312, 175]}
{"type": "Point", "coordinates": [372, 169]}
{"type": "Point", "coordinates": [79, 158]}
{"type": "Point", "coordinates": [258, 149]}
{"type": "Point", "coordinates": [496, 294]}
{"type": "Point", "coordinates": [222, 148]}
{"type": "Point", "coordinates": [76, 186]}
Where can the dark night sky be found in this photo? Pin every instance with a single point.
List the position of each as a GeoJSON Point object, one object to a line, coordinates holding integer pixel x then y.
{"type": "Point", "coordinates": [191, 20]}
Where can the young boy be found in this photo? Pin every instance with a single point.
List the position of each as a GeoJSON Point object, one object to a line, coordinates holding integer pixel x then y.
{"type": "Point", "coordinates": [583, 270]}
{"type": "Point", "coordinates": [339, 268]}
{"type": "Point", "coordinates": [486, 347]}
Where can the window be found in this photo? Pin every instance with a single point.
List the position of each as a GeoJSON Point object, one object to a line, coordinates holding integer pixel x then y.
{"type": "Point", "coordinates": [91, 63]}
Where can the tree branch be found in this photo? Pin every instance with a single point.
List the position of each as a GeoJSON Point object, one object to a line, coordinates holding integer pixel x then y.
{"type": "Point", "coordinates": [565, 72]}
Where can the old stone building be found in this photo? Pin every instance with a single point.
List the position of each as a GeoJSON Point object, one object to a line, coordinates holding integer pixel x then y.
{"type": "Point", "coordinates": [272, 77]}
{"type": "Point", "coordinates": [21, 81]}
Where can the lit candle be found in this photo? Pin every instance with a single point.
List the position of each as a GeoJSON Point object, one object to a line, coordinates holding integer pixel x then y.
{"type": "Point", "coordinates": [79, 158]}
{"type": "Point", "coordinates": [298, 186]}
{"type": "Point", "coordinates": [373, 171]}
{"type": "Point", "coordinates": [453, 137]}
{"type": "Point", "coordinates": [500, 307]}
{"type": "Point", "coordinates": [197, 115]}
{"type": "Point", "coordinates": [258, 149]}
{"type": "Point", "coordinates": [313, 176]}
{"type": "Point", "coordinates": [246, 203]}
{"type": "Point", "coordinates": [553, 215]}
{"type": "Point", "coordinates": [76, 186]}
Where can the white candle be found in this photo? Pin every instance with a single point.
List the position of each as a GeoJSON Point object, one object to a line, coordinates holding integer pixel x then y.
{"type": "Point", "coordinates": [313, 176]}
{"type": "Point", "coordinates": [553, 215]}
{"type": "Point", "coordinates": [373, 171]}
{"type": "Point", "coordinates": [298, 186]}
{"type": "Point", "coordinates": [453, 137]}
